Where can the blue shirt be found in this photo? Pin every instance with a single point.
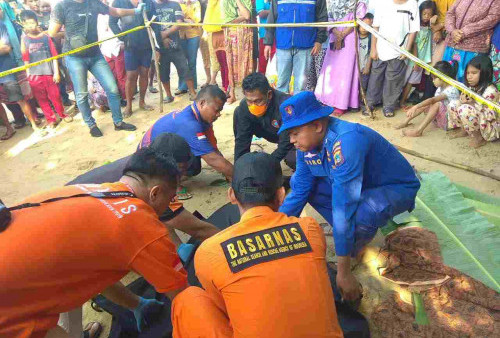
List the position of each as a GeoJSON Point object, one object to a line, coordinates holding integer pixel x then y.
{"type": "Point", "coordinates": [262, 5]}
{"type": "Point", "coordinates": [353, 158]}
{"type": "Point", "coordinates": [6, 60]}
{"type": "Point", "coordinates": [188, 124]}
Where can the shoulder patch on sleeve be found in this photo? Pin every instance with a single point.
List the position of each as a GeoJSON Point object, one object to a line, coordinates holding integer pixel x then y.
{"type": "Point", "coordinates": [337, 156]}
{"type": "Point", "coordinates": [243, 252]}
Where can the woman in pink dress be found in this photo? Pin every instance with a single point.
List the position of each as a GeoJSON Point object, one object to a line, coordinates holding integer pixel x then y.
{"type": "Point", "coordinates": [338, 83]}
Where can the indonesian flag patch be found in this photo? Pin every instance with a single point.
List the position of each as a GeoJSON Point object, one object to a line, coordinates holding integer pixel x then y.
{"type": "Point", "coordinates": [201, 136]}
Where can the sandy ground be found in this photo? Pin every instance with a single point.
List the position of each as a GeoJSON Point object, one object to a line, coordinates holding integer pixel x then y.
{"type": "Point", "coordinates": [29, 164]}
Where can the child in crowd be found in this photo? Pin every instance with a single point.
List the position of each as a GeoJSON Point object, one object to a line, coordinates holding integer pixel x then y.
{"type": "Point", "coordinates": [475, 119]}
{"type": "Point", "coordinates": [398, 21]}
{"type": "Point", "coordinates": [364, 43]}
{"type": "Point", "coordinates": [437, 107]}
{"type": "Point", "coordinates": [44, 18]}
{"type": "Point", "coordinates": [10, 89]}
{"type": "Point", "coordinates": [43, 78]}
{"type": "Point", "coordinates": [422, 48]}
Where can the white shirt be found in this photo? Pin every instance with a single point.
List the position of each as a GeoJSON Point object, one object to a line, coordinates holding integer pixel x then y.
{"type": "Point", "coordinates": [395, 22]}
{"type": "Point", "coordinates": [452, 94]}
{"type": "Point", "coordinates": [111, 47]}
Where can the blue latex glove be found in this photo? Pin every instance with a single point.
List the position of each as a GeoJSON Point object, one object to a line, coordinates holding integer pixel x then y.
{"type": "Point", "coordinates": [146, 308]}
{"type": "Point", "coordinates": [184, 251]}
{"type": "Point", "coordinates": [139, 8]}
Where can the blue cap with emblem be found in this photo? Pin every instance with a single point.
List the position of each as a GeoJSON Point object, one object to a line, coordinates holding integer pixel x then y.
{"type": "Point", "coordinates": [301, 109]}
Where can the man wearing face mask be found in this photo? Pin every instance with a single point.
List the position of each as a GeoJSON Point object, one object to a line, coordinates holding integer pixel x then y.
{"type": "Point", "coordinates": [259, 115]}
{"type": "Point", "coordinates": [194, 124]}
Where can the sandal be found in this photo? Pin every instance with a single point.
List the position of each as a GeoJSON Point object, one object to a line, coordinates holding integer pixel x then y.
{"type": "Point", "coordinates": [168, 99]}
{"type": "Point", "coordinates": [153, 90]}
{"type": "Point", "coordinates": [388, 113]}
{"type": "Point", "coordinates": [338, 112]}
{"type": "Point", "coordinates": [88, 328]}
{"type": "Point", "coordinates": [180, 92]}
{"type": "Point", "coordinates": [183, 195]}
{"type": "Point", "coordinates": [19, 125]}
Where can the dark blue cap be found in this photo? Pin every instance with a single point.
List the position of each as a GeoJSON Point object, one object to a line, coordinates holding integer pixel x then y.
{"type": "Point", "coordinates": [301, 109]}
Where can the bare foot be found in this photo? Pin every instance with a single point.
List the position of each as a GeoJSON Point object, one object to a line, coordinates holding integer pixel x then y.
{"type": "Point", "coordinates": [412, 133]}
{"type": "Point", "coordinates": [401, 125]}
{"type": "Point", "coordinates": [127, 112]}
{"type": "Point", "coordinates": [8, 134]}
{"type": "Point", "coordinates": [231, 99]}
{"type": "Point", "coordinates": [477, 142]}
{"type": "Point", "coordinates": [144, 106]}
{"type": "Point", "coordinates": [458, 133]}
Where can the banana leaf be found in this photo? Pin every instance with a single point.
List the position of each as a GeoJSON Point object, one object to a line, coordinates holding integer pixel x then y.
{"type": "Point", "coordinates": [469, 242]}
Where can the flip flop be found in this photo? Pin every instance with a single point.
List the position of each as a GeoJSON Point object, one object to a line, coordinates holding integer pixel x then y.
{"type": "Point", "coordinates": [168, 99]}
{"type": "Point", "coordinates": [183, 195]}
{"type": "Point", "coordinates": [388, 113]}
{"type": "Point", "coordinates": [220, 182]}
{"type": "Point", "coordinates": [147, 107]}
{"type": "Point", "coordinates": [88, 327]}
{"type": "Point", "coordinates": [5, 136]}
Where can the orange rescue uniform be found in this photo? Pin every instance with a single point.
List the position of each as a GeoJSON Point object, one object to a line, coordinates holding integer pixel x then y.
{"type": "Point", "coordinates": [57, 256]}
{"type": "Point", "coordinates": [263, 277]}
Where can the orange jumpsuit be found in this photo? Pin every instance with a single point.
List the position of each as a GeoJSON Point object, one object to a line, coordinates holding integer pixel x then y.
{"type": "Point", "coordinates": [265, 276]}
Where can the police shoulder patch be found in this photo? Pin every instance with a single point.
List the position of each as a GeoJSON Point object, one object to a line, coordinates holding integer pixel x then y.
{"type": "Point", "coordinates": [338, 157]}
{"type": "Point", "coordinates": [245, 251]}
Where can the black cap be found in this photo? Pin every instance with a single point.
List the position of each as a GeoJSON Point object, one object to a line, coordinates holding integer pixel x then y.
{"type": "Point", "coordinates": [256, 177]}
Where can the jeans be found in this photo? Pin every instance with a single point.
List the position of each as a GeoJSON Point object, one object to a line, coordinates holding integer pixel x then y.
{"type": "Point", "coordinates": [190, 47]}
{"type": "Point", "coordinates": [293, 60]}
{"type": "Point", "coordinates": [78, 67]}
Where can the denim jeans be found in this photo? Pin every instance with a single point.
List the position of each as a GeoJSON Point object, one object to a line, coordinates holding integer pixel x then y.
{"type": "Point", "coordinates": [190, 47]}
{"type": "Point", "coordinates": [78, 66]}
{"type": "Point", "coordinates": [293, 60]}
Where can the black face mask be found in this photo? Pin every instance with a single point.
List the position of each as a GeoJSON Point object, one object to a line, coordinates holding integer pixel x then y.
{"type": "Point", "coordinates": [5, 216]}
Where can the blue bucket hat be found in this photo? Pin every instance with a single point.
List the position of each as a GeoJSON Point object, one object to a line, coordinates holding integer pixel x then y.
{"type": "Point", "coordinates": [301, 109]}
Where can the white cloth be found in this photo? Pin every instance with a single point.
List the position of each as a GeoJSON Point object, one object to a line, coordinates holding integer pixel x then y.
{"type": "Point", "coordinates": [395, 22]}
{"type": "Point", "coordinates": [71, 322]}
{"type": "Point", "coordinates": [452, 94]}
{"type": "Point", "coordinates": [111, 47]}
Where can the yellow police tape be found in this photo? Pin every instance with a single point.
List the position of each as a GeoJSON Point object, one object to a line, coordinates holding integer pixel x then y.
{"type": "Point", "coordinates": [410, 56]}
{"type": "Point", "coordinates": [182, 24]}
{"type": "Point", "coordinates": [460, 86]}
{"type": "Point", "coordinates": [73, 51]}
{"type": "Point", "coordinates": [264, 25]}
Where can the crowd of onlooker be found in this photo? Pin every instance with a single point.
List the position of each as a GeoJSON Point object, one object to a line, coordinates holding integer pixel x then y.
{"type": "Point", "coordinates": [460, 38]}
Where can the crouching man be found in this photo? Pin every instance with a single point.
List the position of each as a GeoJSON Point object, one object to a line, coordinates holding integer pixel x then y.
{"type": "Point", "coordinates": [264, 276]}
{"type": "Point", "coordinates": [71, 243]}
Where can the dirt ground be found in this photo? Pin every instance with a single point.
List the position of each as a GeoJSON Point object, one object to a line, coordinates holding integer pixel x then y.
{"type": "Point", "coordinates": [30, 164]}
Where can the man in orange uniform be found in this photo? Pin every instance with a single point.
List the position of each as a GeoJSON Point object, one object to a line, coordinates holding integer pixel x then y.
{"type": "Point", "coordinates": [58, 254]}
{"type": "Point", "coordinates": [265, 276]}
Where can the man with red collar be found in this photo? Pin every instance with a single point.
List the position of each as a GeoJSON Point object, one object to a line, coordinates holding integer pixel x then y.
{"type": "Point", "coordinates": [194, 124]}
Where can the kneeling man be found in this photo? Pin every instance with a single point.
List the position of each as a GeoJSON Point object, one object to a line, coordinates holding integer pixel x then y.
{"type": "Point", "coordinates": [350, 174]}
{"type": "Point", "coordinates": [265, 276]}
